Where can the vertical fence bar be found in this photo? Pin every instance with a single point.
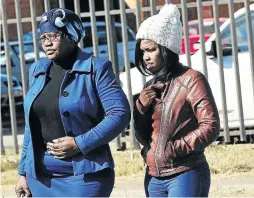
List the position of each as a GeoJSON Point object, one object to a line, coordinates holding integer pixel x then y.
{"type": "Point", "coordinates": [138, 22]}
{"type": "Point", "coordinates": [221, 71]}
{"type": "Point", "coordinates": [202, 39]}
{"type": "Point", "coordinates": [23, 68]}
{"type": "Point", "coordinates": [111, 40]}
{"type": "Point", "coordinates": [236, 70]}
{"type": "Point", "coordinates": [34, 27]}
{"type": "Point", "coordinates": [250, 39]}
{"type": "Point", "coordinates": [138, 13]}
{"type": "Point", "coordinates": [9, 75]}
{"type": "Point", "coordinates": [108, 28]}
{"type": "Point", "coordinates": [153, 7]}
{"type": "Point", "coordinates": [186, 31]}
{"type": "Point", "coordinates": [93, 27]}
{"type": "Point", "coordinates": [112, 47]}
{"type": "Point", "coordinates": [127, 70]}
{"type": "Point", "coordinates": [61, 4]}
{"type": "Point", "coordinates": [2, 138]}
{"type": "Point", "coordinates": [77, 11]}
{"type": "Point", "coordinates": [46, 5]}
{"type": "Point", "coordinates": [115, 63]}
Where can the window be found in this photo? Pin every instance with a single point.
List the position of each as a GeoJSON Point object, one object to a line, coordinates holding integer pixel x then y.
{"type": "Point", "coordinates": [29, 53]}
{"type": "Point", "coordinates": [3, 58]}
{"type": "Point", "coordinates": [119, 35]}
{"type": "Point", "coordinates": [241, 32]}
{"type": "Point", "coordinates": [208, 28]}
{"type": "Point", "coordinates": [102, 36]}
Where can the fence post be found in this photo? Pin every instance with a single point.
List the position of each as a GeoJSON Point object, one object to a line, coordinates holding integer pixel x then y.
{"type": "Point", "coordinates": [138, 22]}
{"type": "Point", "coordinates": [2, 140]}
{"type": "Point", "coordinates": [236, 70]}
{"type": "Point", "coordinates": [61, 4]}
{"type": "Point", "coordinates": [186, 31]}
{"type": "Point", "coordinates": [23, 68]}
{"type": "Point", "coordinates": [112, 48]}
{"type": "Point", "coordinates": [127, 71]}
{"type": "Point", "coordinates": [46, 5]}
{"type": "Point", "coordinates": [9, 74]}
{"type": "Point", "coordinates": [221, 71]}
{"type": "Point", "coordinates": [93, 27]}
{"type": "Point", "coordinates": [77, 11]}
{"type": "Point", "coordinates": [202, 39]}
{"type": "Point", "coordinates": [34, 28]}
{"type": "Point", "coordinates": [250, 39]}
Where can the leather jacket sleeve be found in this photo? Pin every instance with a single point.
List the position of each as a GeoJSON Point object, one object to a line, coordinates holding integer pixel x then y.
{"type": "Point", "coordinates": [200, 98]}
{"type": "Point", "coordinates": [142, 120]}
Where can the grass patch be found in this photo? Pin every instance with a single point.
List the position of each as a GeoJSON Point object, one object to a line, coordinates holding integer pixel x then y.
{"type": "Point", "coordinates": [230, 159]}
{"type": "Point", "coordinates": [9, 161]}
{"type": "Point", "coordinates": [9, 177]}
{"type": "Point", "coordinates": [128, 163]}
{"type": "Point", "coordinates": [222, 159]}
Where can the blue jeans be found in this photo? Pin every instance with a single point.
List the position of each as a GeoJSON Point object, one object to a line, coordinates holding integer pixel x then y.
{"type": "Point", "coordinates": [192, 183]}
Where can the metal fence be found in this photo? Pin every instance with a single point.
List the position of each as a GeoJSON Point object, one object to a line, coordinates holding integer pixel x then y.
{"type": "Point", "coordinates": [109, 14]}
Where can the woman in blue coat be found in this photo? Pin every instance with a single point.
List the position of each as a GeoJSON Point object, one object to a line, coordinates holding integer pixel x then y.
{"type": "Point", "coordinates": [73, 109]}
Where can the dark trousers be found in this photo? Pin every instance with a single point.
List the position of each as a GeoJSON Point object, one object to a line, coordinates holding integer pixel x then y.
{"type": "Point", "coordinates": [192, 183]}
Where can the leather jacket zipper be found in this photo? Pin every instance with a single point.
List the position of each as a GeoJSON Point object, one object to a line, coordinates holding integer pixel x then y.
{"type": "Point", "coordinates": [170, 88]}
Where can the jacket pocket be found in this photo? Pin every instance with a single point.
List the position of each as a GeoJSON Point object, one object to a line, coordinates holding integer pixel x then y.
{"type": "Point", "coordinates": [170, 153]}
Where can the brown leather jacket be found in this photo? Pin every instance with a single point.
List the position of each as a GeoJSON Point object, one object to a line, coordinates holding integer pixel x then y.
{"type": "Point", "coordinates": [175, 131]}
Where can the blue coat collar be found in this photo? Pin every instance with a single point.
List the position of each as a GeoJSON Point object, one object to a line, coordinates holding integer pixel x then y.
{"type": "Point", "coordinates": [82, 64]}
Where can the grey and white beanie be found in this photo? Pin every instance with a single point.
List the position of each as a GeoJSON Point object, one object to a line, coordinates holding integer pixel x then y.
{"type": "Point", "coordinates": [164, 28]}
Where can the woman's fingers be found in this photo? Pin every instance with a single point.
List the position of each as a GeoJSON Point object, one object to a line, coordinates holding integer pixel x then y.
{"type": "Point", "coordinates": [53, 146]}
{"type": "Point", "coordinates": [151, 95]}
{"type": "Point", "coordinates": [57, 153]}
{"type": "Point", "coordinates": [27, 192]}
{"type": "Point", "coordinates": [159, 86]}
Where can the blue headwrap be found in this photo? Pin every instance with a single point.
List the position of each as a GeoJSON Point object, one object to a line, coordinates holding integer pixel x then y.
{"type": "Point", "coordinates": [62, 20]}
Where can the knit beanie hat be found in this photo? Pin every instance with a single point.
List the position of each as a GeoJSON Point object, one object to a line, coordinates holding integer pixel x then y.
{"type": "Point", "coordinates": [62, 20]}
{"type": "Point", "coordinates": [164, 28]}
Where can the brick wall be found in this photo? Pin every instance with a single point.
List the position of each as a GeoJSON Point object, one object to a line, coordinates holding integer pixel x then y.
{"type": "Point", "coordinates": [192, 12]}
{"type": "Point", "coordinates": [131, 21]}
{"type": "Point", "coordinates": [25, 12]}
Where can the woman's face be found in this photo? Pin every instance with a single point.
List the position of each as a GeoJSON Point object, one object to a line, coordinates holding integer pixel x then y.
{"type": "Point", "coordinates": [56, 46]}
{"type": "Point", "coordinates": [151, 55]}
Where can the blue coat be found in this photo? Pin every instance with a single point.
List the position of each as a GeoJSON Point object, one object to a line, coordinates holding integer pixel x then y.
{"type": "Point", "coordinates": [98, 108]}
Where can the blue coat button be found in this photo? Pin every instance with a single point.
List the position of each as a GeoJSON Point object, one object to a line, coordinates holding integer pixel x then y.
{"type": "Point", "coordinates": [66, 113]}
{"type": "Point", "coordinates": [65, 93]}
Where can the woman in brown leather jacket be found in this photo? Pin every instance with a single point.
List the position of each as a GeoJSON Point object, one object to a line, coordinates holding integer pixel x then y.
{"type": "Point", "coordinates": [175, 115]}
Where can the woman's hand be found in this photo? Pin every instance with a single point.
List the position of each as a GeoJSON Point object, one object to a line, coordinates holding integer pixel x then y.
{"type": "Point", "coordinates": [64, 147]}
{"type": "Point", "coordinates": [21, 188]}
{"type": "Point", "coordinates": [148, 95]}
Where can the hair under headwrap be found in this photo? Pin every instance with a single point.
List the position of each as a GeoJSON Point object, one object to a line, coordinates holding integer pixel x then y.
{"type": "Point", "coordinates": [62, 20]}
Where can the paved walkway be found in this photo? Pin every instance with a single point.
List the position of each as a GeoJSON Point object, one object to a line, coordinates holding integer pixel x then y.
{"type": "Point", "coordinates": [132, 186]}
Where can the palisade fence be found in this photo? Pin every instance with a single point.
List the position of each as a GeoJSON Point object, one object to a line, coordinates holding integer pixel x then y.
{"type": "Point", "coordinates": [110, 13]}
